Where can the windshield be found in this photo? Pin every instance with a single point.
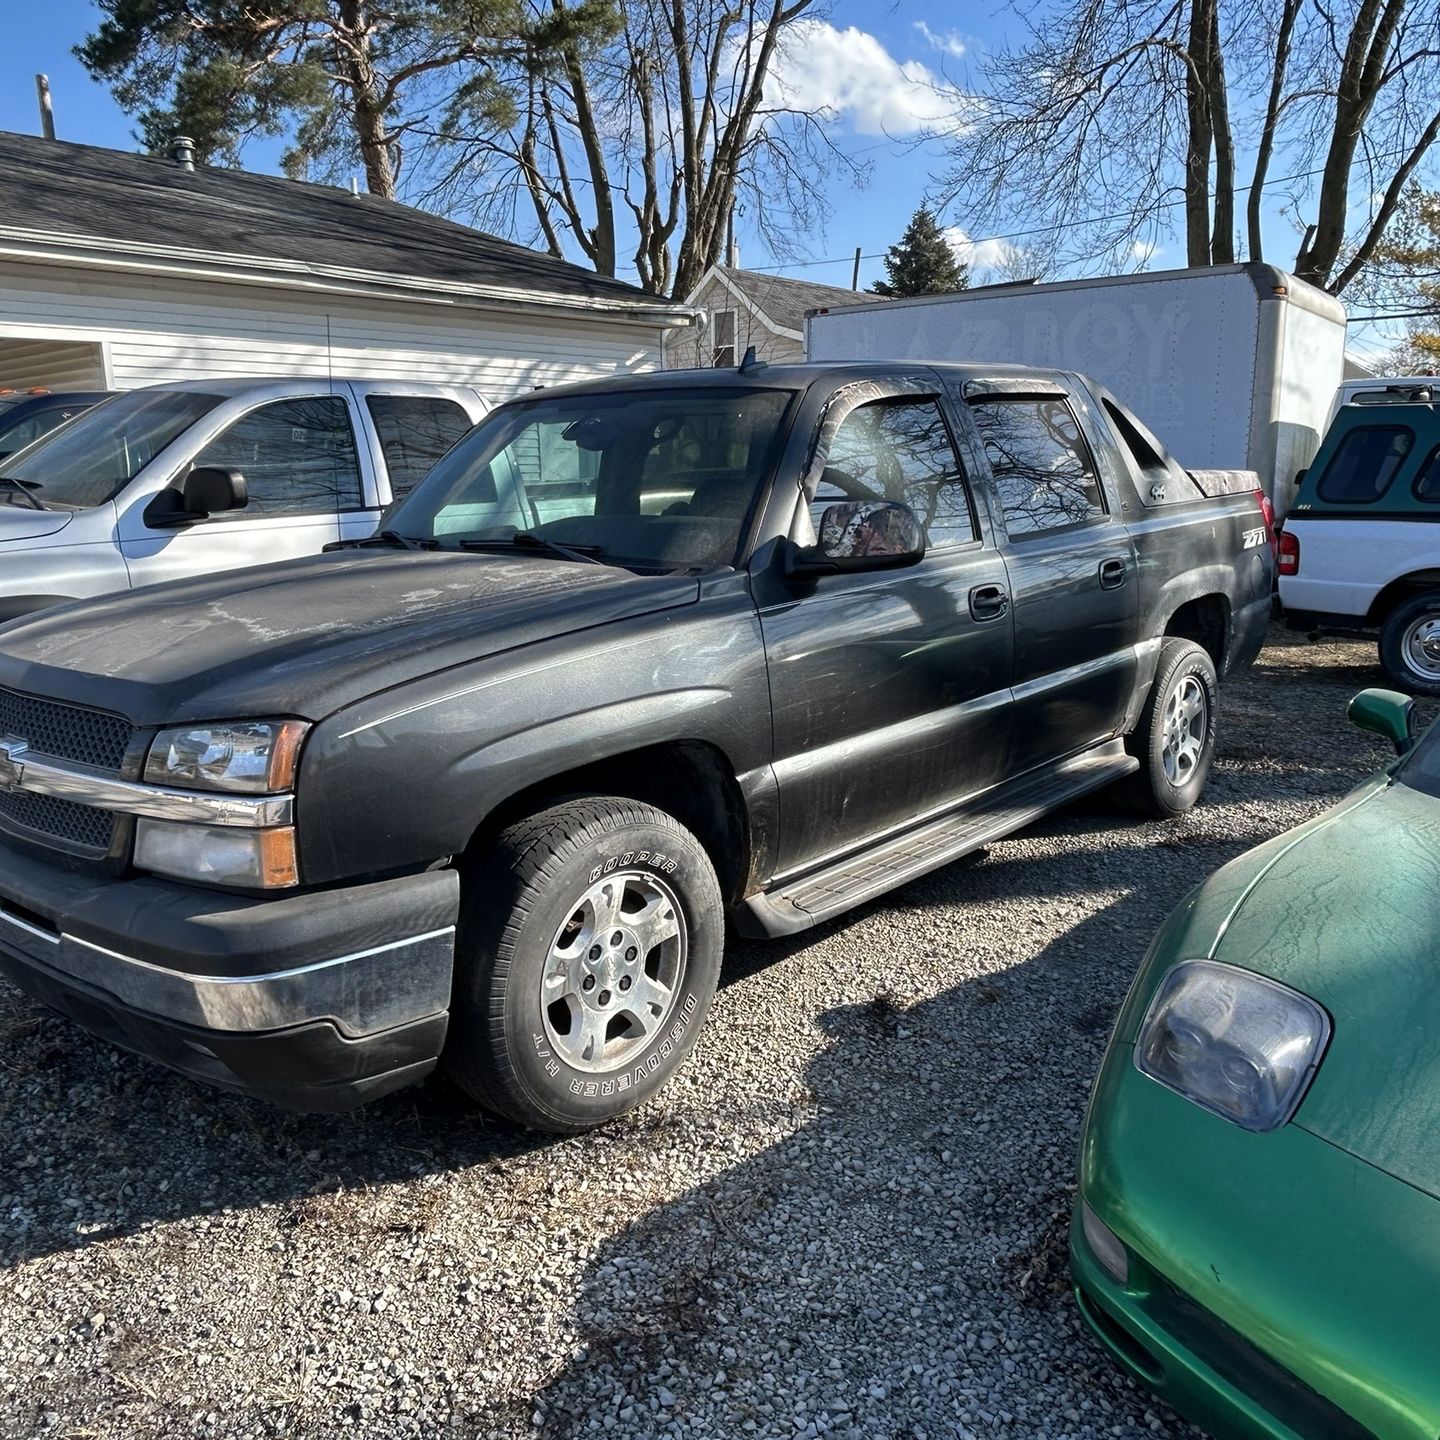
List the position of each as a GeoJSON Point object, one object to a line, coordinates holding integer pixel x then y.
{"type": "Point", "coordinates": [653, 479]}
{"type": "Point", "coordinates": [1421, 768]}
{"type": "Point", "coordinates": [94, 457]}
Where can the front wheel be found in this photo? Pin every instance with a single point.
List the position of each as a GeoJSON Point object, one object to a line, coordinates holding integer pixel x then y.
{"type": "Point", "coordinates": [1175, 739]}
{"type": "Point", "coordinates": [1410, 645]}
{"type": "Point", "coordinates": [588, 952]}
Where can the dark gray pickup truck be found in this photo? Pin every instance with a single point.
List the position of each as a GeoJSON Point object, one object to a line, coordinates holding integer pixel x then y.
{"type": "Point", "coordinates": [637, 657]}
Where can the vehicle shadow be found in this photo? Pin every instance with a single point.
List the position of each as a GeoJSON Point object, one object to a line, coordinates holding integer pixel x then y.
{"type": "Point", "coordinates": [901, 1253]}
{"type": "Point", "coordinates": [72, 1174]}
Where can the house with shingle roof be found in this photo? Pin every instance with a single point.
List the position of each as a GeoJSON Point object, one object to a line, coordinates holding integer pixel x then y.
{"type": "Point", "coordinates": [119, 270]}
{"type": "Point", "coordinates": [740, 308]}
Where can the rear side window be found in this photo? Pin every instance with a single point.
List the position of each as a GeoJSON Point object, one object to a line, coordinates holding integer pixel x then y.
{"type": "Point", "coordinates": [297, 456]}
{"type": "Point", "coordinates": [1364, 464]}
{"type": "Point", "coordinates": [1044, 474]}
{"type": "Point", "coordinates": [1427, 482]}
{"type": "Point", "coordinates": [415, 431]}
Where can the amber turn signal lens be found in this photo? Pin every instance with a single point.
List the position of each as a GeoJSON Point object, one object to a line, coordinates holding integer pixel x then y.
{"type": "Point", "coordinates": [279, 864]}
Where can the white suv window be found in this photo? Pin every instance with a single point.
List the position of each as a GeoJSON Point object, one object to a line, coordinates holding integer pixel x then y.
{"type": "Point", "coordinates": [298, 457]}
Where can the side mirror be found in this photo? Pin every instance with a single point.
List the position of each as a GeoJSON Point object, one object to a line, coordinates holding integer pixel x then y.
{"type": "Point", "coordinates": [1387, 713]}
{"type": "Point", "coordinates": [862, 535]}
{"type": "Point", "coordinates": [207, 490]}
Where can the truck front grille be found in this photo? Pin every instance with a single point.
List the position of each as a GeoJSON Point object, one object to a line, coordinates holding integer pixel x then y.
{"type": "Point", "coordinates": [60, 731]}
{"type": "Point", "coordinates": [65, 732]}
{"type": "Point", "coordinates": [47, 818]}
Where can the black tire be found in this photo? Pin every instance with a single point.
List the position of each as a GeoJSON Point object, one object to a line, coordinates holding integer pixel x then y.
{"type": "Point", "coordinates": [1157, 790]}
{"type": "Point", "coordinates": [555, 876]}
{"type": "Point", "coordinates": [1406, 629]}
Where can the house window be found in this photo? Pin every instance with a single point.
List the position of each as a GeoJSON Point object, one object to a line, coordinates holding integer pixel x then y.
{"type": "Point", "coordinates": [722, 338]}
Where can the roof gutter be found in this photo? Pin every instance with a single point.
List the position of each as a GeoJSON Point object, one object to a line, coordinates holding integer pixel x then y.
{"type": "Point", "coordinates": [182, 262]}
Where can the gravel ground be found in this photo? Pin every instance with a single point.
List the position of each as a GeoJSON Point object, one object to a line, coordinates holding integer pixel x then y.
{"type": "Point", "coordinates": [846, 1218]}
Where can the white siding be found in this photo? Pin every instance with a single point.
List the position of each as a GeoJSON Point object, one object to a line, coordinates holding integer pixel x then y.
{"type": "Point", "coordinates": [155, 330]}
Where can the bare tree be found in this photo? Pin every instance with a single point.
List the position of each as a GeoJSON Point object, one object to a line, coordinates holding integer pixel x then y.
{"type": "Point", "coordinates": [1112, 112]}
{"type": "Point", "coordinates": [651, 136]}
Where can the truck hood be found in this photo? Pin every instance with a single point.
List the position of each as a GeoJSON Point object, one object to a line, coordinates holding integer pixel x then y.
{"type": "Point", "coordinates": [307, 637]}
{"type": "Point", "coordinates": [1349, 914]}
{"type": "Point", "coordinates": [19, 522]}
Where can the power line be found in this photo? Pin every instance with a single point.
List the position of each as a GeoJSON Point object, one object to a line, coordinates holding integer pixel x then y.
{"type": "Point", "coordinates": [1074, 224]}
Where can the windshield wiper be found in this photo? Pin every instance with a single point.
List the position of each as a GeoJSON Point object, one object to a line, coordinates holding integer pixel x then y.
{"type": "Point", "coordinates": [524, 539]}
{"type": "Point", "coordinates": [394, 537]}
{"type": "Point", "coordinates": [23, 487]}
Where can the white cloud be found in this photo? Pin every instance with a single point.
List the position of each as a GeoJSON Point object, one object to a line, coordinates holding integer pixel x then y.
{"type": "Point", "coordinates": [980, 255]}
{"type": "Point", "coordinates": [1142, 252]}
{"type": "Point", "coordinates": [950, 41]}
{"type": "Point", "coordinates": [850, 75]}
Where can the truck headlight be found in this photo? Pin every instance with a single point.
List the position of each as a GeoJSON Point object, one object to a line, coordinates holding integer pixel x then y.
{"type": "Point", "coordinates": [254, 756]}
{"type": "Point", "coordinates": [218, 855]}
{"type": "Point", "coordinates": [1236, 1043]}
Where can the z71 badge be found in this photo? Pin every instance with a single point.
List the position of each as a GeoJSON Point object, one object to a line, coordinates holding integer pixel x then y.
{"type": "Point", "coordinates": [1254, 539]}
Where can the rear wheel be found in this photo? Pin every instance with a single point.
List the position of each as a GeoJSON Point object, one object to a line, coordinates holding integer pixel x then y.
{"type": "Point", "coordinates": [1175, 739]}
{"type": "Point", "coordinates": [1410, 645]}
{"type": "Point", "coordinates": [588, 952]}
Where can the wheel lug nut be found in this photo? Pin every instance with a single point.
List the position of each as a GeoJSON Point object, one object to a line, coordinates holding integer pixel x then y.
{"type": "Point", "coordinates": [625, 982]}
{"type": "Point", "coordinates": [594, 952]}
{"type": "Point", "coordinates": [588, 983]}
{"type": "Point", "coordinates": [616, 938]}
{"type": "Point", "coordinates": [604, 997]}
{"type": "Point", "coordinates": [631, 953]}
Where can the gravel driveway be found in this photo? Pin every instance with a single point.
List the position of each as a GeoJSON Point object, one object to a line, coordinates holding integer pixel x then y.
{"type": "Point", "coordinates": [846, 1218]}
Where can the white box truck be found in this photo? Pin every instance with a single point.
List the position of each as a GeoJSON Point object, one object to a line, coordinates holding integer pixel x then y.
{"type": "Point", "coordinates": [1235, 365]}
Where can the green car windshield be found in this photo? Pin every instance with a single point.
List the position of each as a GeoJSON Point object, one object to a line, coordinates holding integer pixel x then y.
{"type": "Point", "coordinates": [657, 479]}
{"type": "Point", "coordinates": [1421, 768]}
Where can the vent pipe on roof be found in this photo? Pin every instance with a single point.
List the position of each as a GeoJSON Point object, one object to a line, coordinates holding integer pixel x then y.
{"type": "Point", "coordinates": [182, 152]}
{"type": "Point", "coordinates": [47, 111]}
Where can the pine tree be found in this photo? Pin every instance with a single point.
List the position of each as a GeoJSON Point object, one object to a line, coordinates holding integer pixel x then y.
{"type": "Point", "coordinates": [923, 262]}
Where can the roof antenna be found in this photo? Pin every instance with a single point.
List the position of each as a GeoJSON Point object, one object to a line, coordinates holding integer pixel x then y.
{"type": "Point", "coordinates": [751, 364]}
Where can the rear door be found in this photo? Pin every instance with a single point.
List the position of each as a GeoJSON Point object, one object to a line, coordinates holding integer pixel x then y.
{"type": "Point", "coordinates": [302, 470]}
{"type": "Point", "coordinates": [1071, 567]}
{"type": "Point", "coordinates": [889, 689]}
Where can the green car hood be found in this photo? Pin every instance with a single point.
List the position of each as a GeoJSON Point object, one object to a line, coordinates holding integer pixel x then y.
{"type": "Point", "coordinates": [1349, 914]}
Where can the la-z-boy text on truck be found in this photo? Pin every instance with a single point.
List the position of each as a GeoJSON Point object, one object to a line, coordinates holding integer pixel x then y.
{"type": "Point", "coordinates": [634, 655]}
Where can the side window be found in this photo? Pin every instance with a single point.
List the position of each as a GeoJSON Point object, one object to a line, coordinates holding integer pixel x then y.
{"type": "Point", "coordinates": [722, 340]}
{"type": "Point", "coordinates": [1427, 482]}
{"type": "Point", "coordinates": [297, 456]}
{"type": "Point", "coordinates": [899, 450]}
{"type": "Point", "coordinates": [415, 431]}
{"type": "Point", "coordinates": [1044, 475]}
{"type": "Point", "coordinates": [1364, 464]}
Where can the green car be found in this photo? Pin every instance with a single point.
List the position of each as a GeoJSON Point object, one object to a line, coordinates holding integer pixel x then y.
{"type": "Point", "coordinates": [1256, 1234]}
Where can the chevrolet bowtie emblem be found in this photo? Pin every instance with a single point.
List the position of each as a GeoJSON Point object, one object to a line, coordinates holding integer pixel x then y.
{"type": "Point", "coordinates": [12, 769]}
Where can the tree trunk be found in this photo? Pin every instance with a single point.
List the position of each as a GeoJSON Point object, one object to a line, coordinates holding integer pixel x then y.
{"type": "Point", "coordinates": [1222, 243]}
{"type": "Point", "coordinates": [1199, 139]}
{"type": "Point", "coordinates": [367, 114]}
{"type": "Point", "coordinates": [1266, 146]}
{"type": "Point", "coordinates": [1361, 75]}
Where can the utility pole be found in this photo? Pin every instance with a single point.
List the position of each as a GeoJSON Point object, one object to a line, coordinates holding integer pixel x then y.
{"type": "Point", "coordinates": [47, 111]}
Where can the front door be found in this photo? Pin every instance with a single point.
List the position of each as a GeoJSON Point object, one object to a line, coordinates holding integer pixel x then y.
{"type": "Point", "coordinates": [889, 689]}
{"type": "Point", "coordinates": [1071, 567]}
{"type": "Point", "coordinates": [302, 472]}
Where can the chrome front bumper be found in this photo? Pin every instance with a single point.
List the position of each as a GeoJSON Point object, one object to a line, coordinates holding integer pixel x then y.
{"type": "Point", "coordinates": [315, 1002]}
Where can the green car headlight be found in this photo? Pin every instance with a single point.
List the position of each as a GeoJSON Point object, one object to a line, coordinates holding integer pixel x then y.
{"type": "Point", "coordinates": [1236, 1043]}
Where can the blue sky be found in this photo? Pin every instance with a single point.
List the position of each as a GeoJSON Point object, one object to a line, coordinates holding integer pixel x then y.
{"type": "Point", "coordinates": [876, 66]}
